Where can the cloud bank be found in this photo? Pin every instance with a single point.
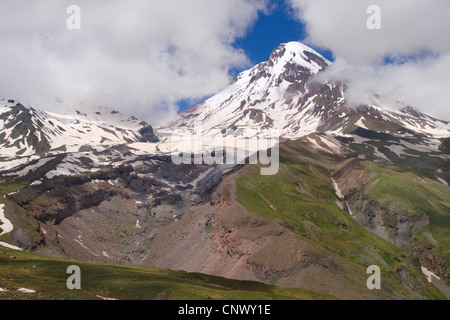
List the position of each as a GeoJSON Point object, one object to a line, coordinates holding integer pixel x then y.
{"type": "Point", "coordinates": [413, 36]}
{"type": "Point", "coordinates": [139, 57]}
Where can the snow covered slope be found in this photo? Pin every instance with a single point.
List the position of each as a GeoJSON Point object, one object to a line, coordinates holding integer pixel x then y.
{"type": "Point", "coordinates": [280, 95]}
{"type": "Point", "coordinates": [263, 97]}
{"type": "Point", "coordinates": [25, 130]}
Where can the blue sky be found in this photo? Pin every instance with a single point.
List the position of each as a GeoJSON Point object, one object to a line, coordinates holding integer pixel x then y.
{"type": "Point", "coordinates": [278, 26]}
{"type": "Point", "coordinates": [271, 29]}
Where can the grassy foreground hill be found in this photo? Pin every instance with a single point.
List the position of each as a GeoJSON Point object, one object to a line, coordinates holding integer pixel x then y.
{"type": "Point", "coordinates": [47, 277]}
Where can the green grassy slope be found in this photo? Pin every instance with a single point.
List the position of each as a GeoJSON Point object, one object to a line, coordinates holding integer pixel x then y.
{"type": "Point", "coordinates": [302, 196]}
{"type": "Point", "coordinates": [412, 195]}
{"type": "Point", "coordinates": [47, 276]}
{"type": "Point", "coordinates": [416, 194]}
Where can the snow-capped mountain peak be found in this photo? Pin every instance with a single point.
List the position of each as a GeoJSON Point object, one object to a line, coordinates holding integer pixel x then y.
{"type": "Point", "coordinates": [282, 94]}
{"type": "Point", "coordinates": [266, 96]}
{"type": "Point", "coordinates": [27, 129]}
{"type": "Point", "coordinates": [299, 54]}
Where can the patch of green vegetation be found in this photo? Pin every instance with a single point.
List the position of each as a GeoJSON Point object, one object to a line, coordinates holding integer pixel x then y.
{"type": "Point", "coordinates": [416, 194]}
{"type": "Point", "coordinates": [388, 259]}
{"type": "Point", "coordinates": [19, 217]}
{"type": "Point", "coordinates": [302, 196]}
{"type": "Point", "coordinates": [25, 222]}
{"type": "Point", "coordinates": [47, 276]}
{"type": "Point", "coordinates": [6, 189]}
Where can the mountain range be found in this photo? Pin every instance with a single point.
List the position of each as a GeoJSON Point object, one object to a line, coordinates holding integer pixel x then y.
{"type": "Point", "coordinates": [356, 186]}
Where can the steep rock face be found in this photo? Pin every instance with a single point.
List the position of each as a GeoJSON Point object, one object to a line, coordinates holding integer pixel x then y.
{"type": "Point", "coordinates": [148, 134]}
{"type": "Point", "coordinates": [64, 202]}
{"type": "Point", "coordinates": [56, 200]}
{"type": "Point", "coordinates": [26, 231]}
{"type": "Point", "coordinates": [21, 128]}
{"type": "Point", "coordinates": [445, 146]}
{"type": "Point", "coordinates": [112, 209]}
{"type": "Point", "coordinates": [429, 259]}
{"type": "Point", "coordinates": [396, 226]}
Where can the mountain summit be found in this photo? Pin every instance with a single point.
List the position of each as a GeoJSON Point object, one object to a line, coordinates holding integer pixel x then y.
{"type": "Point", "coordinates": [282, 94]}
{"type": "Point", "coordinates": [264, 96]}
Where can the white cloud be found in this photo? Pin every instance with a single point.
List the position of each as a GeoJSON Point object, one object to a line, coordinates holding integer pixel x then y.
{"type": "Point", "coordinates": [408, 28]}
{"type": "Point", "coordinates": [137, 56]}
{"type": "Point", "coordinates": [423, 84]}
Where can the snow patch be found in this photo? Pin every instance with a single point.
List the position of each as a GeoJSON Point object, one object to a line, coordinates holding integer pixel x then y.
{"type": "Point", "coordinates": [82, 245]}
{"type": "Point", "coordinates": [6, 225]}
{"type": "Point", "coordinates": [360, 123]}
{"type": "Point", "coordinates": [71, 166]}
{"type": "Point", "coordinates": [11, 164]}
{"type": "Point", "coordinates": [429, 274]}
{"type": "Point", "coordinates": [317, 146]}
{"type": "Point", "coordinates": [442, 181]}
{"type": "Point", "coordinates": [377, 153]}
{"type": "Point", "coordinates": [30, 168]}
{"type": "Point", "coordinates": [7, 245]}
{"type": "Point", "coordinates": [105, 298]}
{"type": "Point", "coordinates": [337, 190]}
{"type": "Point", "coordinates": [398, 150]}
{"type": "Point", "coordinates": [332, 143]}
{"type": "Point", "coordinates": [25, 290]}
{"type": "Point", "coordinates": [350, 211]}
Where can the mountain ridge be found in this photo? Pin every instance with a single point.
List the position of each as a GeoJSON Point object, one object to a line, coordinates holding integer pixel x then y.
{"type": "Point", "coordinates": [28, 130]}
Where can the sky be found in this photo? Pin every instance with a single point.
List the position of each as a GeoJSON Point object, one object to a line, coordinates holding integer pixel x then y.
{"type": "Point", "coordinates": [152, 59]}
{"type": "Point", "coordinates": [277, 25]}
